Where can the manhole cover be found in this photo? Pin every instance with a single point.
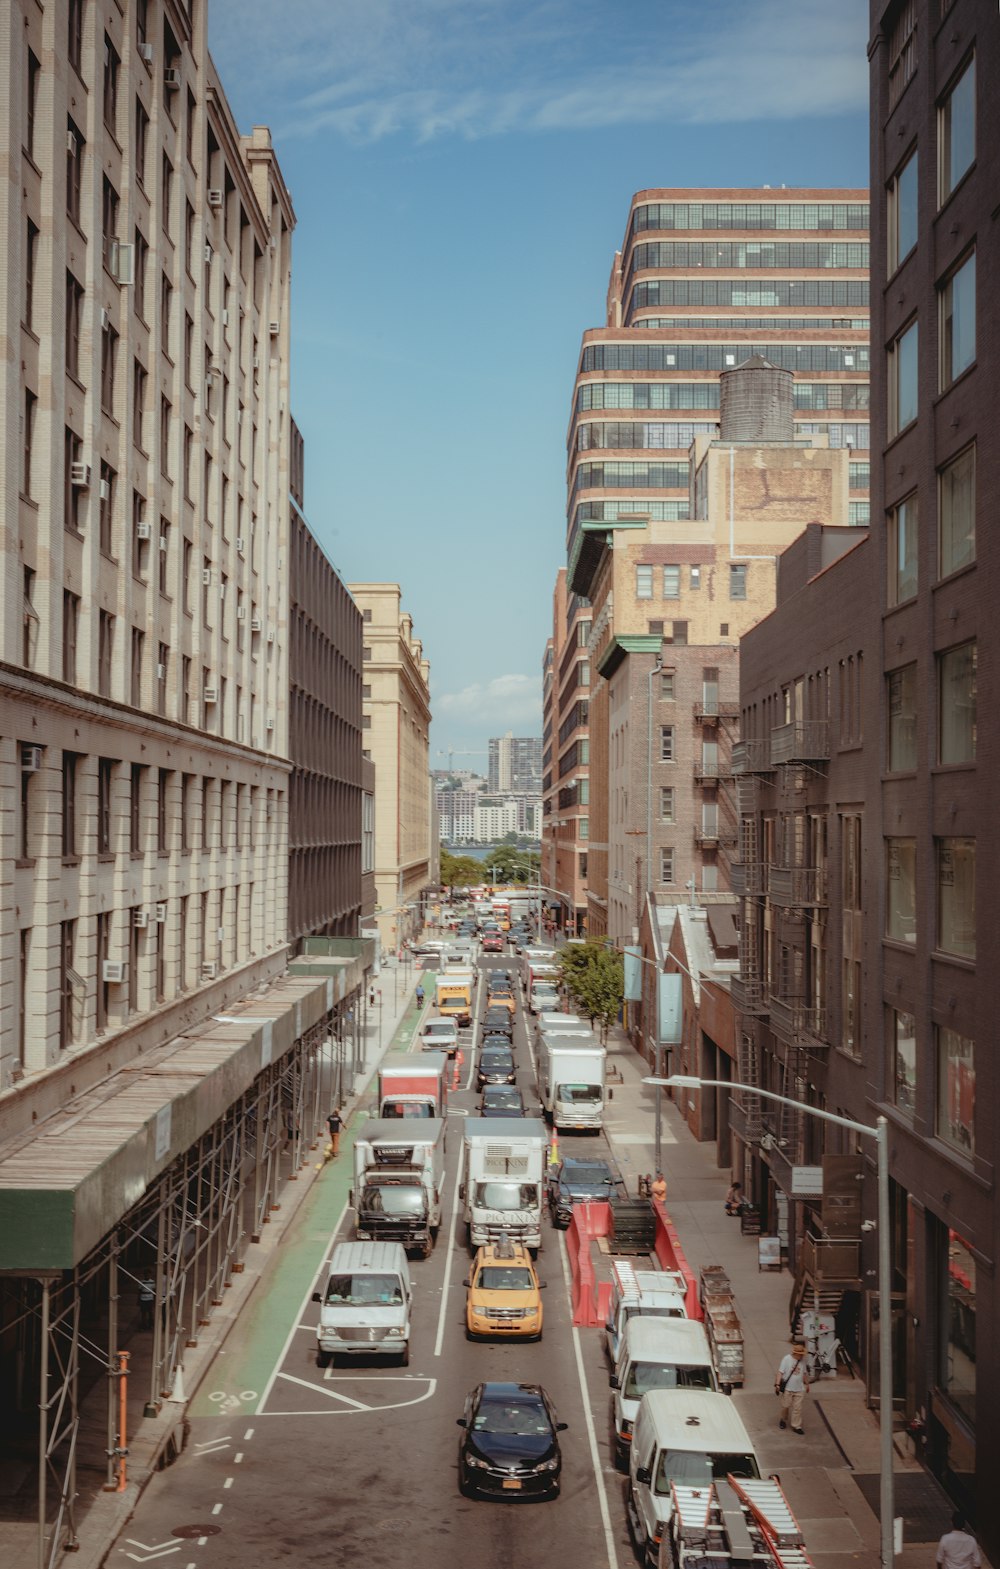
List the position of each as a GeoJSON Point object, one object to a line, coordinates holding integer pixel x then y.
{"type": "Point", "coordinates": [196, 1530]}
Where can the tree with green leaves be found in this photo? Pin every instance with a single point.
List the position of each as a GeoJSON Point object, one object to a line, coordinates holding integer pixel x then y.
{"type": "Point", "coordinates": [460, 871]}
{"type": "Point", "coordinates": [506, 864]}
{"type": "Point", "coordinates": [594, 976]}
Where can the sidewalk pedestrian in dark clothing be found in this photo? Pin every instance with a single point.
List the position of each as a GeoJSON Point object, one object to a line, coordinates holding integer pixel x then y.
{"type": "Point", "coordinates": [335, 1122]}
{"type": "Point", "coordinates": [957, 1549]}
{"type": "Point", "coordinates": [147, 1302]}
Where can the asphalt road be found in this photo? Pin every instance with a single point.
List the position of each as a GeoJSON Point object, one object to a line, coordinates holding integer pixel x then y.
{"type": "Point", "coordinates": [286, 1461]}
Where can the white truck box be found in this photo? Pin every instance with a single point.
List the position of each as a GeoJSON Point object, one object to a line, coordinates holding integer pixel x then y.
{"type": "Point", "coordinates": [503, 1166]}
{"type": "Point", "coordinates": [571, 1077]}
{"type": "Point", "coordinates": [398, 1177]}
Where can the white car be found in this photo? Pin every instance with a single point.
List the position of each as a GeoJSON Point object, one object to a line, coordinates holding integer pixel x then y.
{"type": "Point", "coordinates": [440, 1035]}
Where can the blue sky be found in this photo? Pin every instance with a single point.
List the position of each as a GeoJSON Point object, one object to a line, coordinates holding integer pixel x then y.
{"type": "Point", "coordinates": [461, 172]}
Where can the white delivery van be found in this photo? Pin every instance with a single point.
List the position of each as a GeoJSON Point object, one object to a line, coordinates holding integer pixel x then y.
{"type": "Point", "coordinates": [440, 1035]}
{"type": "Point", "coordinates": [656, 1353]}
{"type": "Point", "coordinates": [366, 1303]}
{"type": "Point", "coordinates": [693, 1436]}
{"type": "Point", "coordinates": [654, 1293]}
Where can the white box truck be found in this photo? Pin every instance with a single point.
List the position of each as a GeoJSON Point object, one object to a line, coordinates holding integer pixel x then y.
{"type": "Point", "coordinates": [365, 1303]}
{"type": "Point", "coordinates": [656, 1353]}
{"type": "Point", "coordinates": [398, 1176]}
{"type": "Point", "coordinates": [571, 1073]}
{"type": "Point", "coordinates": [413, 1087]}
{"type": "Point", "coordinates": [503, 1164]}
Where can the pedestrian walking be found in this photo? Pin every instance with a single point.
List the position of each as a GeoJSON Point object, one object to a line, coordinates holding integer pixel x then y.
{"type": "Point", "coordinates": [791, 1383]}
{"type": "Point", "coordinates": [659, 1188]}
{"type": "Point", "coordinates": [147, 1302]}
{"type": "Point", "coordinates": [957, 1548]}
{"type": "Point", "coordinates": [334, 1122]}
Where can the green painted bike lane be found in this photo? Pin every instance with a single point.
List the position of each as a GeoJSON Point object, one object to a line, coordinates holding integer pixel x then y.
{"type": "Point", "coordinates": [249, 1358]}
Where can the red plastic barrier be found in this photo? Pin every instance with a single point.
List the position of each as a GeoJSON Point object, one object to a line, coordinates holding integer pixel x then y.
{"type": "Point", "coordinates": [671, 1256]}
{"type": "Point", "coordinates": [591, 1298]}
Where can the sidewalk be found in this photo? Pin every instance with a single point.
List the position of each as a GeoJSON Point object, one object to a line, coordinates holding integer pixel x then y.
{"type": "Point", "coordinates": [156, 1440]}
{"type": "Point", "coordinates": [831, 1475]}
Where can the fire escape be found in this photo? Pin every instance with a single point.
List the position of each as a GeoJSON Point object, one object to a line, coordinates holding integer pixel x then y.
{"type": "Point", "coordinates": [751, 766]}
{"type": "Point", "coordinates": [718, 829]}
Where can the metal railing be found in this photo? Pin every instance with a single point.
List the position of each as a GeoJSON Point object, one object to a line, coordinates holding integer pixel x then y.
{"type": "Point", "coordinates": [802, 741]}
{"type": "Point", "coordinates": [796, 1022]}
{"type": "Point", "coordinates": [752, 757]}
{"type": "Point", "coordinates": [797, 885]}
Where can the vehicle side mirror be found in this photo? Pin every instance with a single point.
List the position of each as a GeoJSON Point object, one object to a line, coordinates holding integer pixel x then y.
{"type": "Point", "coordinates": [461, 1191]}
{"type": "Point", "coordinates": [317, 1297]}
{"type": "Point", "coordinates": [561, 1427]}
{"type": "Point", "coordinates": [461, 1422]}
{"type": "Point", "coordinates": [614, 1382]}
{"type": "Point", "coordinates": [542, 1285]}
{"type": "Point", "coordinates": [644, 1475]}
{"type": "Point", "coordinates": [466, 1282]}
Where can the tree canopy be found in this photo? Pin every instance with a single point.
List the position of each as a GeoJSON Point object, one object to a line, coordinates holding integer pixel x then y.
{"type": "Point", "coordinates": [460, 871]}
{"type": "Point", "coordinates": [594, 976]}
{"type": "Point", "coordinates": [505, 863]}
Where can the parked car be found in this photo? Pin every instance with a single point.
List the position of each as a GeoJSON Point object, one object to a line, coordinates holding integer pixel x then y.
{"type": "Point", "coordinates": [580, 1181]}
{"type": "Point", "coordinates": [510, 1445]}
{"type": "Point", "coordinates": [502, 1100]}
{"type": "Point", "coordinates": [496, 1066]}
{"type": "Point", "coordinates": [504, 1294]}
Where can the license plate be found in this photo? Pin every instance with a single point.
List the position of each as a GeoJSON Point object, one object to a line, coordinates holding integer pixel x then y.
{"type": "Point", "coordinates": [512, 1482]}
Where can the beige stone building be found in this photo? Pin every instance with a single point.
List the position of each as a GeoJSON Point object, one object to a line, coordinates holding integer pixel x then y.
{"type": "Point", "coordinates": [396, 721]}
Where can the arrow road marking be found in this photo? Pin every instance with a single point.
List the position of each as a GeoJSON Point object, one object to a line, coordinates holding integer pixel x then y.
{"type": "Point", "coordinates": [151, 1550]}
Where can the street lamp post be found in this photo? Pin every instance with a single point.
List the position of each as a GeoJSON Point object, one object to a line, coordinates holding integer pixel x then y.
{"type": "Point", "coordinates": [880, 1133]}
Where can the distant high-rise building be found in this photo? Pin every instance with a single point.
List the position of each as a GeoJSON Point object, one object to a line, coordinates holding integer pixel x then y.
{"type": "Point", "coordinates": [515, 765]}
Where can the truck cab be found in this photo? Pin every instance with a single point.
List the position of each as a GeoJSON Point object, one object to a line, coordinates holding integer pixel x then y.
{"type": "Point", "coordinates": [641, 1292]}
{"type": "Point", "coordinates": [656, 1353]}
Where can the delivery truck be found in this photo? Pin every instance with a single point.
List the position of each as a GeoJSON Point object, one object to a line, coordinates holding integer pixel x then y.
{"type": "Point", "coordinates": [398, 1176]}
{"type": "Point", "coordinates": [503, 1164]}
{"type": "Point", "coordinates": [571, 1073]}
{"type": "Point", "coordinates": [411, 1086]}
{"type": "Point", "coordinates": [453, 995]}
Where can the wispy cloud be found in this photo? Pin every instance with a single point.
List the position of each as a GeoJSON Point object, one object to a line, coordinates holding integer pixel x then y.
{"type": "Point", "coordinates": [366, 70]}
{"type": "Point", "coordinates": [508, 702]}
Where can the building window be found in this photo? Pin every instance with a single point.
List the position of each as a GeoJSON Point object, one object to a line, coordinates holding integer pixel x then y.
{"type": "Point", "coordinates": [112, 71]}
{"type": "Point", "coordinates": [30, 266]}
{"type": "Point", "coordinates": [182, 942]}
{"type": "Point", "coordinates": [103, 952]}
{"type": "Point", "coordinates": [667, 684]}
{"type": "Point", "coordinates": [666, 743]}
{"type": "Point", "coordinates": [74, 171]}
{"type": "Point", "coordinates": [696, 577]}
{"type": "Point", "coordinates": [162, 672]}
{"type": "Point", "coordinates": [737, 581]}
{"type": "Point", "coordinates": [69, 771]}
{"type": "Point", "coordinates": [584, 832]}
{"type": "Point", "coordinates": [141, 142]}
{"type": "Point", "coordinates": [903, 1075]}
{"type": "Point", "coordinates": [956, 897]}
{"type": "Point", "coordinates": [74, 315]}
{"type": "Point", "coordinates": [956, 1088]}
{"type": "Point", "coordinates": [666, 866]}
{"type": "Point", "coordinates": [24, 842]}
{"type": "Point", "coordinates": [957, 513]}
{"type": "Point", "coordinates": [166, 193]}
{"type": "Point", "coordinates": [105, 778]}
{"type": "Point", "coordinates": [105, 651]}
{"type": "Point", "coordinates": [141, 269]}
{"type": "Point", "coordinates": [666, 803]}
{"type": "Point", "coordinates": [901, 890]}
{"type": "Point", "coordinates": [135, 668]}
{"type": "Point", "coordinates": [957, 1365]}
{"type": "Point", "coordinates": [162, 788]}
{"type": "Point", "coordinates": [139, 380]}
{"type": "Point", "coordinates": [902, 213]}
{"type": "Point", "coordinates": [109, 365]}
{"type": "Point", "coordinates": [31, 103]}
{"type": "Point", "coordinates": [902, 694]}
{"type": "Point", "coordinates": [902, 379]}
{"type": "Point", "coordinates": [71, 618]}
{"type": "Point", "coordinates": [957, 705]}
{"type": "Point", "coordinates": [643, 582]}
{"type": "Point", "coordinates": [678, 634]}
{"type": "Point", "coordinates": [67, 978]}
{"type": "Point", "coordinates": [902, 50]}
{"type": "Point", "coordinates": [671, 582]}
{"type": "Point", "coordinates": [901, 550]}
{"type": "Point", "coordinates": [135, 809]}
{"type": "Point", "coordinates": [163, 556]}
{"type": "Point", "coordinates": [74, 37]}
{"type": "Point", "coordinates": [958, 321]}
{"type": "Point", "coordinates": [957, 131]}
{"type": "Point", "coordinates": [109, 223]}
{"type": "Point", "coordinates": [29, 635]}
{"type": "Point", "coordinates": [27, 441]}
{"type": "Point", "coordinates": [106, 506]}
{"type": "Point", "coordinates": [165, 413]}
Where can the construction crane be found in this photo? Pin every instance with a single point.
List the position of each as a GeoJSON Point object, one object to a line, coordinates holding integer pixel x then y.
{"type": "Point", "coordinates": [740, 1521]}
{"type": "Point", "coordinates": [454, 751]}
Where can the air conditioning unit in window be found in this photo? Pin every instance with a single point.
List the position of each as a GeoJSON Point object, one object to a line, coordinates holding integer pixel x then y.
{"type": "Point", "coordinates": [209, 971]}
{"type": "Point", "coordinates": [215, 197]}
{"type": "Point", "coordinates": [114, 972]}
{"type": "Point", "coordinates": [72, 145]}
{"type": "Point", "coordinates": [161, 672]}
{"type": "Point", "coordinates": [274, 328]}
{"type": "Point", "coordinates": [172, 79]}
{"type": "Point", "coordinates": [206, 577]}
{"type": "Point", "coordinates": [140, 918]}
{"type": "Point", "coordinates": [208, 253]}
{"type": "Point", "coordinates": [79, 475]}
{"type": "Point", "coordinates": [225, 318]}
{"type": "Point", "coordinates": [122, 262]}
{"type": "Point", "coordinates": [241, 612]}
{"type": "Point", "coordinates": [145, 52]}
{"type": "Point", "coordinates": [105, 318]}
{"type": "Point", "coordinates": [161, 914]}
{"type": "Point", "coordinates": [255, 623]}
{"type": "Point", "coordinates": [143, 530]}
{"type": "Point", "coordinates": [105, 490]}
{"type": "Point", "coordinates": [270, 723]}
{"type": "Point", "coordinates": [210, 695]}
{"type": "Point", "coordinates": [270, 634]}
{"type": "Point", "coordinates": [163, 543]}
{"type": "Point", "coordinates": [256, 362]}
{"type": "Point", "coordinates": [31, 759]}
{"type": "Point", "coordinates": [240, 543]}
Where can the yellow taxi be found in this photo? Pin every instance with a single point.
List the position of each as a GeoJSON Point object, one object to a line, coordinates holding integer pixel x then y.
{"type": "Point", "coordinates": [504, 1294]}
{"type": "Point", "coordinates": [502, 997]}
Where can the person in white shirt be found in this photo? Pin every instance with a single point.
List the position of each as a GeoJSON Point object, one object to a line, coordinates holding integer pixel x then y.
{"type": "Point", "coordinates": [791, 1382]}
{"type": "Point", "coordinates": [957, 1549]}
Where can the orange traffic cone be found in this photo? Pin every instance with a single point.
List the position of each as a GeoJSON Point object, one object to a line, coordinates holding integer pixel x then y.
{"type": "Point", "coordinates": [554, 1149]}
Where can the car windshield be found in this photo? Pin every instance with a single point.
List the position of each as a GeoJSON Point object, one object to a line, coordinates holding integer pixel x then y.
{"type": "Point", "coordinates": [644, 1376]}
{"type": "Point", "coordinates": [407, 1109]}
{"type": "Point", "coordinates": [519, 1421]}
{"type": "Point", "coordinates": [578, 1094]}
{"type": "Point", "coordinates": [673, 1310]}
{"type": "Point", "coordinates": [582, 1176]}
{"type": "Point", "coordinates": [686, 1466]}
{"type": "Point", "coordinates": [503, 1277]}
{"type": "Point", "coordinates": [365, 1290]}
{"type": "Point", "coordinates": [506, 1195]}
{"type": "Point", "coordinates": [502, 1097]}
{"type": "Point", "coordinates": [394, 1201]}
{"type": "Point", "coordinates": [494, 1060]}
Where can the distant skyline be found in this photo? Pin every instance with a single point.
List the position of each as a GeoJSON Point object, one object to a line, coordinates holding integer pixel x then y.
{"type": "Point", "coordinates": [461, 172]}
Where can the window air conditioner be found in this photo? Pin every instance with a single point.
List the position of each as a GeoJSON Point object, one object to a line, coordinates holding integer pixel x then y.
{"type": "Point", "coordinates": [105, 490]}
{"type": "Point", "coordinates": [163, 543]}
{"type": "Point", "coordinates": [161, 914]}
{"type": "Point", "coordinates": [215, 197]}
{"type": "Point", "coordinates": [143, 530]}
{"type": "Point", "coordinates": [210, 694]}
{"type": "Point", "coordinates": [105, 318]}
{"type": "Point", "coordinates": [72, 145]}
{"type": "Point", "coordinates": [209, 971]}
{"type": "Point", "coordinates": [140, 918]}
{"type": "Point", "coordinates": [270, 634]}
{"type": "Point", "coordinates": [145, 52]}
{"type": "Point", "coordinates": [206, 577]}
{"type": "Point", "coordinates": [208, 253]}
{"type": "Point", "coordinates": [161, 672]}
{"type": "Point", "coordinates": [172, 79]}
{"type": "Point", "coordinates": [31, 759]}
{"type": "Point", "coordinates": [255, 623]}
{"type": "Point", "coordinates": [241, 612]}
{"type": "Point", "coordinates": [274, 328]}
{"type": "Point", "coordinates": [114, 972]}
{"type": "Point", "coordinates": [79, 475]}
{"type": "Point", "coordinates": [123, 262]}
{"type": "Point", "coordinates": [240, 543]}
{"type": "Point", "coordinates": [256, 362]}
{"type": "Point", "coordinates": [270, 723]}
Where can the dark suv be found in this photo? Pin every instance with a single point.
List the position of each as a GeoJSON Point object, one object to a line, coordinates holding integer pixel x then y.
{"type": "Point", "coordinates": [496, 1066]}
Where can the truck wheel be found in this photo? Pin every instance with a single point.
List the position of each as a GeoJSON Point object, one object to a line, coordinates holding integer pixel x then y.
{"type": "Point", "coordinates": [324, 1358]}
{"type": "Point", "coordinates": [428, 1247]}
{"type": "Point", "coordinates": [404, 1356]}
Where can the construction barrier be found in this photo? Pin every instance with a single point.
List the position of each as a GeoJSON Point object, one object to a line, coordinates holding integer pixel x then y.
{"type": "Point", "coordinates": [671, 1256]}
{"type": "Point", "coordinates": [591, 1297]}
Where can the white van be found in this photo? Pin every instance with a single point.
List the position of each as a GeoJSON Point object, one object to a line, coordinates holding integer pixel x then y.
{"type": "Point", "coordinates": [692, 1436]}
{"type": "Point", "coordinates": [656, 1353]}
{"type": "Point", "coordinates": [366, 1304]}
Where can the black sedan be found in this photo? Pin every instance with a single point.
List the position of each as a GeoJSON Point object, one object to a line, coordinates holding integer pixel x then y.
{"type": "Point", "coordinates": [496, 1066]}
{"type": "Point", "coordinates": [586, 1180]}
{"type": "Point", "coordinates": [498, 1021]}
{"type": "Point", "coordinates": [510, 1447]}
{"type": "Point", "coordinates": [501, 1100]}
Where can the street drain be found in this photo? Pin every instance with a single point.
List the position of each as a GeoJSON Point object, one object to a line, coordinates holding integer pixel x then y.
{"type": "Point", "coordinates": [196, 1530]}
